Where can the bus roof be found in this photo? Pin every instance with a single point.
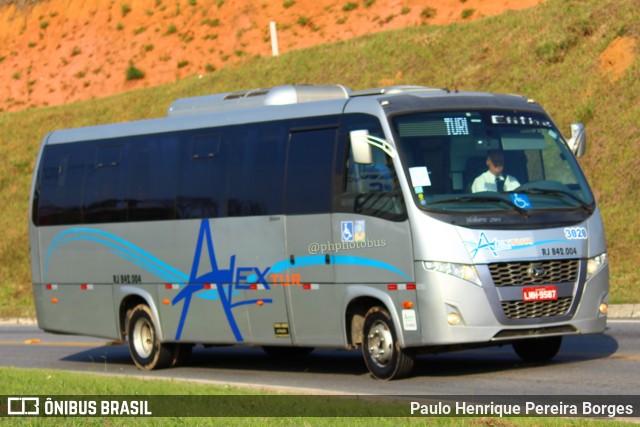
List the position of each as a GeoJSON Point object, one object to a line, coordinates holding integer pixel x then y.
{"type": "Point", "coordinates": [282, 102]}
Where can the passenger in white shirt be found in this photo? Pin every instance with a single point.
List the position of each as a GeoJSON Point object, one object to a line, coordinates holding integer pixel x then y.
{"type": "Point", "coordinates": [493, 179]}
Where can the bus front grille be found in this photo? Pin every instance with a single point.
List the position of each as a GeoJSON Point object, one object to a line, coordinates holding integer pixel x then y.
{"type": "Point", "coordinates": [525, 273]}
{"type": "Point", "coordinates": [531, 310]}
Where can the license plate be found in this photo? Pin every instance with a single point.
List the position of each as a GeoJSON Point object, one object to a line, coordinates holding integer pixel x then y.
{"type": "Point", "coordinates": [540, 293]}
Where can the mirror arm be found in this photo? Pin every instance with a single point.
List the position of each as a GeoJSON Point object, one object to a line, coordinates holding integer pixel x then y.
{"type": "Point", "coordinates": [381, 144]}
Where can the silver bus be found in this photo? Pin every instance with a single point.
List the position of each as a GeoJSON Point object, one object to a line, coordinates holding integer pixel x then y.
{"type": "Point", "coordinates": [302, 217]}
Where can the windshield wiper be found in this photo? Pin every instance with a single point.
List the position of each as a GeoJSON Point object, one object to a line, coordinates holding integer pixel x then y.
{"type": "Point", "coordinates": [521, 211]}
{"type": "Point", "coordinates": [584, 205]}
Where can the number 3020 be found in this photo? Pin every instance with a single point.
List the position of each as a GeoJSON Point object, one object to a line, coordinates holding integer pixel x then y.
{"type": "Point", "coordinates": [575, 233]}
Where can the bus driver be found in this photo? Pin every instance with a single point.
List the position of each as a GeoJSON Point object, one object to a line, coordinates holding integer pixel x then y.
{"type": "Point", "coordinates": [493, 179]}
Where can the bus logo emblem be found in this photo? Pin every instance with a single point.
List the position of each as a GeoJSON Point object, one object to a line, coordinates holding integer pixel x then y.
{"type": "Point", "coordinates": [536, 272]}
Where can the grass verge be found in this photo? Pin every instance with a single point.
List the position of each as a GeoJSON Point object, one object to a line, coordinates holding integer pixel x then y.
{"type": "Point", "coordinates": [24, 382]}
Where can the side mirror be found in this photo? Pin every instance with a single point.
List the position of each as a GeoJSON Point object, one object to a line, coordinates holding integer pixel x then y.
{"type": "Point", "coordinates": [578, 141]}
{"type": "Point", "coordinates": [360, 147]}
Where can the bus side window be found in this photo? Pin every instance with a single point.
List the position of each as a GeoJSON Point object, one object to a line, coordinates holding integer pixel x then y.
{"type": "Point", "coordinates": [105, 186]}
{"type": "Point", "coordinates": [310, 171]}
{"type": "Point", "coordinates": [371, 189]}
{"type": "Point", "coordinates": [60, 185]}
{"type": "Point", "coordinates": [203, 176]}
{"type": "Point", "coordinates": [256, 169]}
{"type": "Point", "coordinates": [151, 178]}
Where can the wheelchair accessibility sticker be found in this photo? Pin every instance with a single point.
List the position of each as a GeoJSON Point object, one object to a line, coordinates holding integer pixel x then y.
{"type": "Point", "coordinates": [521, 200]}
{"type": "Point", "coordinates": [353, 231]}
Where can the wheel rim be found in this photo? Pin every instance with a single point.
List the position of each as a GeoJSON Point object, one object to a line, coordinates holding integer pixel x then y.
{"type": "Point", "coordinates": [380, 343]}
{"type": "Point", "coordinates": [143, 338]}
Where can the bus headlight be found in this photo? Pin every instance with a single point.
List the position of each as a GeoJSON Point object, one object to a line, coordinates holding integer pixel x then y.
{"type": "Point", "coordinates": [595, 264]}
{"type": "Point", "coordinates": [461, 271]}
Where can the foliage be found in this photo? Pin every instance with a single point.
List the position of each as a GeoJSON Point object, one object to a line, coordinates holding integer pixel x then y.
{"type": "Point", "coordinates": [428, 13]}
{"type": "Point", "coordinates": [125, 9]}
{"type": "Point", "coordinates": [350, 6]}
{"type": "Point", "coordinates": [467, 13]}
{"type": "Point", "coordinates": [134, 73]}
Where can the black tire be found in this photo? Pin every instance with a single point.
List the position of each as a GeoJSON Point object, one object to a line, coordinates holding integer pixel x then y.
{"type": "Point", "coordinates": [537, 349]}
{"type": "Point", "coordinates": [287, 351]}
{"type": "Point", "coordinates": [382, 353]}
{"type": "Point", "coordinates": [146, 350]}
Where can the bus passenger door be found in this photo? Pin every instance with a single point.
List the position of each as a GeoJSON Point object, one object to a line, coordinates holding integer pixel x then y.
{"type": "Point", "coordinates": [370, 227]}
{"type": "Point", "coordinates": [371, 232]}
{"type": "Point", "coordinates": [309, 278]}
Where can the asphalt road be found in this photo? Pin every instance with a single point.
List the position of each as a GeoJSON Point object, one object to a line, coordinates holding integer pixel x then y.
{"type": "Point", "coordinates": [600, 364]}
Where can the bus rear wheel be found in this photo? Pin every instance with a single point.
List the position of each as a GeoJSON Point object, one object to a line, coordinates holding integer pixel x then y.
{"type": "Point", "coordinates": [146, 349]}
{"type": "Point", "coordinates": [537, 349]}
{"type": "Point", "coordinates": [384, 357]}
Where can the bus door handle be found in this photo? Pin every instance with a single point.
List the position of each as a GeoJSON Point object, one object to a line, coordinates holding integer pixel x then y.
{"type": "Point", "coordinates": [292, 259]}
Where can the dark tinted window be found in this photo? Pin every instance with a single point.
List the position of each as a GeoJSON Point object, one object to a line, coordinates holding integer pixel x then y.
{"type": "Point", "coordinates": [310, 171]}
{"type": "Point", "coordinates": [60, 187]}
{"type": "Point", "coordinates": [105, 184]}
{"type": "Point", "coordinates": [203, 177]}
{"type": "Point", "coordinates": [256, 169]}
{"type": "Point", "coordinates": [152, 180]}
{"type": "Point", "coordinates": [206, 173]}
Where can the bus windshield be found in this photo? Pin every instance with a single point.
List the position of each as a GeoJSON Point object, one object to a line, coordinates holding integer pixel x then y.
{"type": "Point", "coordinates": [489, 161]}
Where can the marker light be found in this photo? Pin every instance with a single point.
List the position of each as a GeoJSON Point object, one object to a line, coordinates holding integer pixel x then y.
{"type": "Point", "coordinates": [603, 308]}
{"type": "Point", "coordinates": [462, 271]}
{"type": "Point", "coordinates": [453, 319]}
{"type": "Point", "coordinates": [595, 264]}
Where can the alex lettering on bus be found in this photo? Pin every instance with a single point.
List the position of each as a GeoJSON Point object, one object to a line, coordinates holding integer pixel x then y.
{"type": "Point", "coordinates": [252, 275]}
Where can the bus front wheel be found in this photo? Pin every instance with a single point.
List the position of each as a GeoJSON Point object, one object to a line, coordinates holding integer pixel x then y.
{"type": "Point", "coordinates": [384, 357]}
{"type": "Point", "coordinates": [146, 349]}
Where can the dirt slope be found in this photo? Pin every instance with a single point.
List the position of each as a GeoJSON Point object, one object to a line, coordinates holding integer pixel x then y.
{"type": "Point", "coordinates": [61, 51]}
